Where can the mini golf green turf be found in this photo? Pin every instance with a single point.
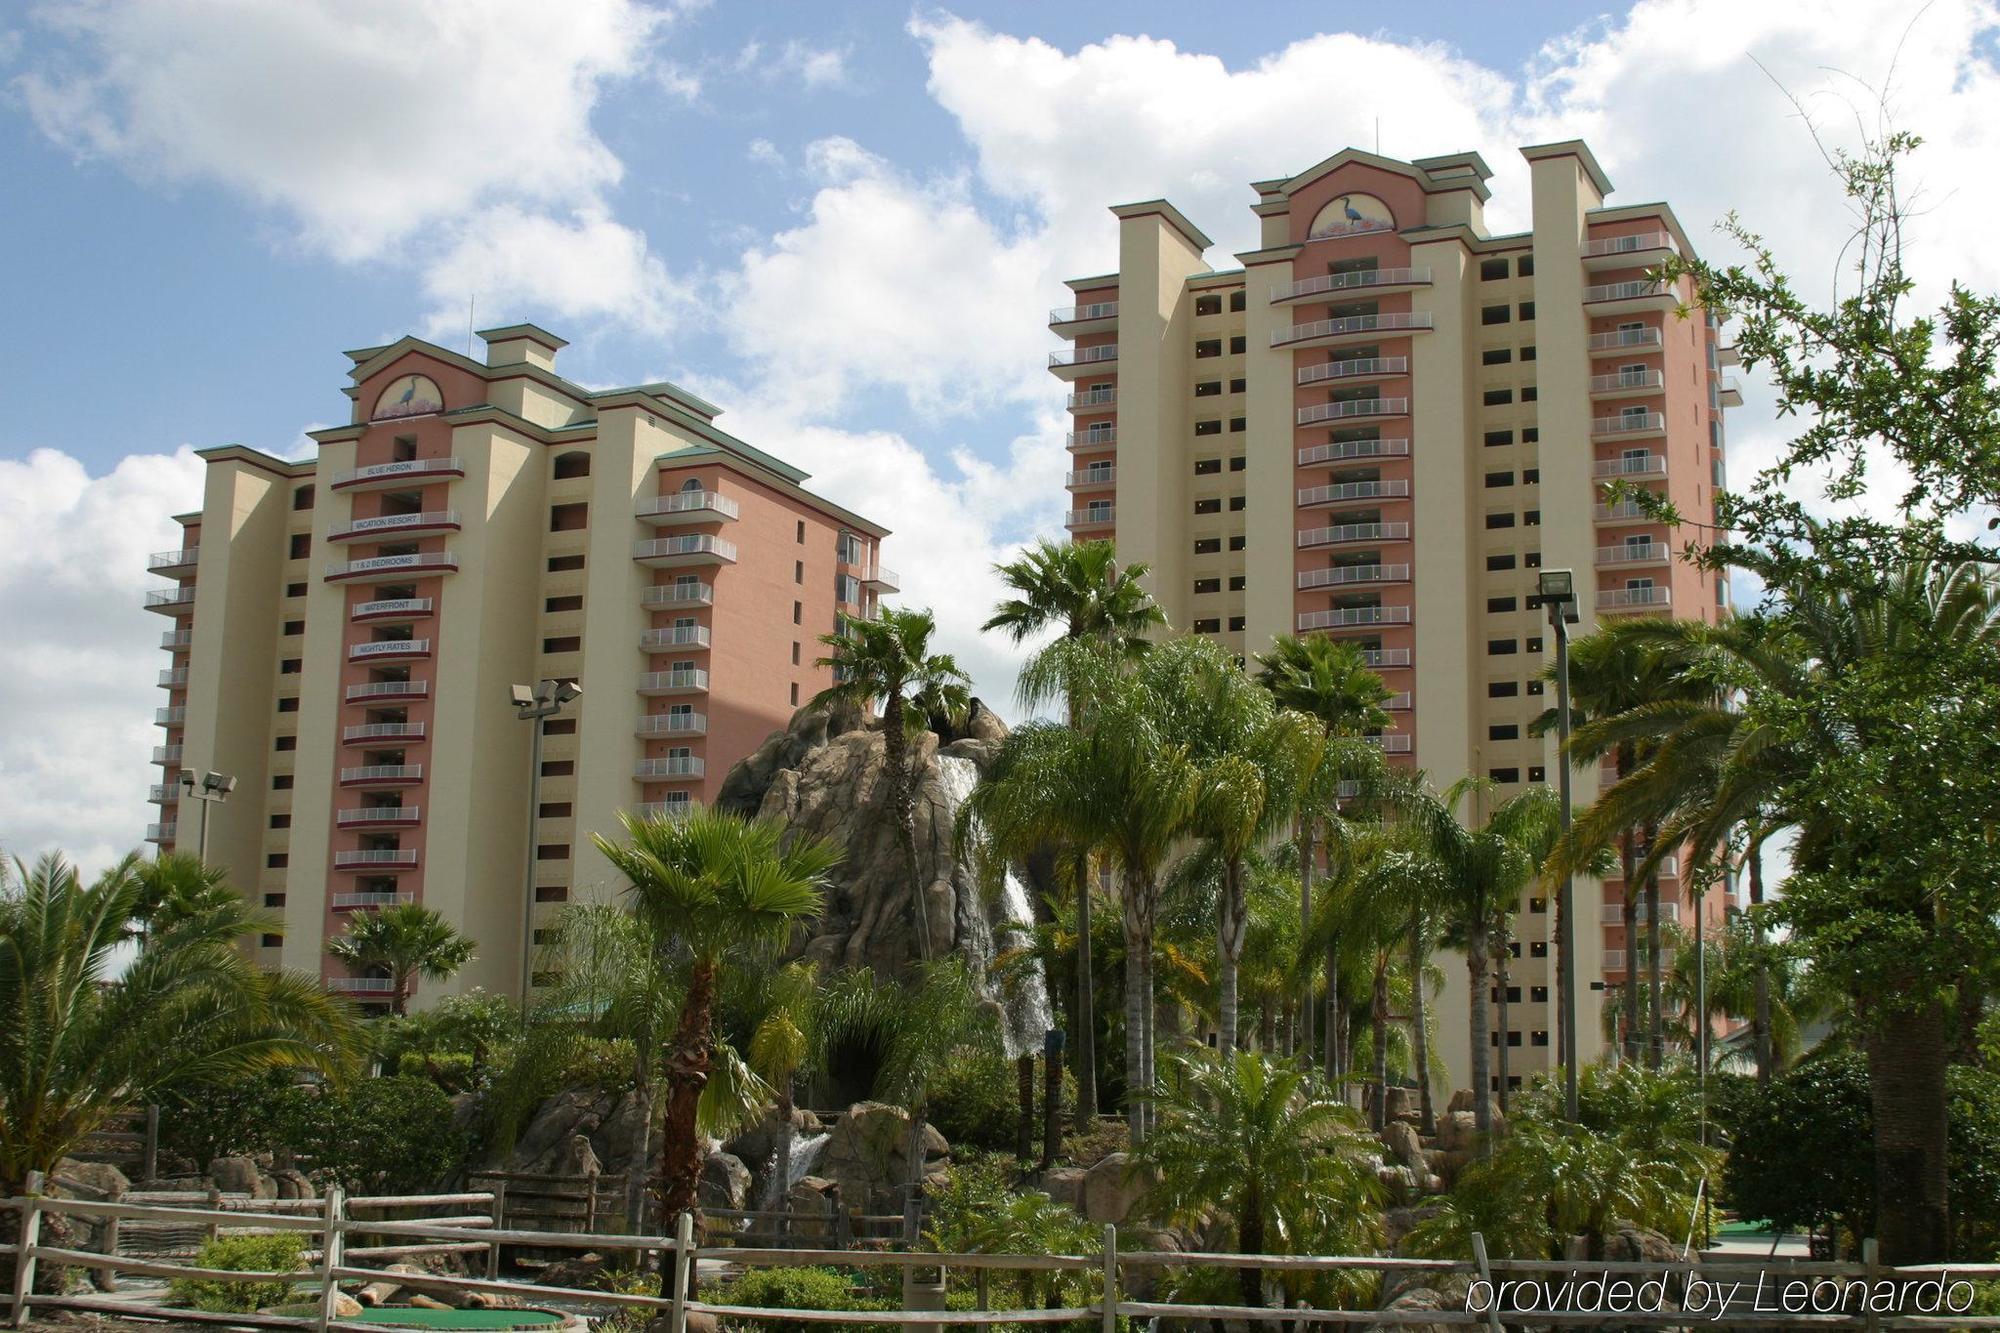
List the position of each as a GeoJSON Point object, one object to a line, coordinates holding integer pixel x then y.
{"type": "Point", "coordinates": [410, 1316]}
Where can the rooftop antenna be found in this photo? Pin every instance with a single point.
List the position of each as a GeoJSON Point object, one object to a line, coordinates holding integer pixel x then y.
{"type": "Point", "coordinates": [1378, 136]}
{"type": "Point", "coordinates": [471, 304]}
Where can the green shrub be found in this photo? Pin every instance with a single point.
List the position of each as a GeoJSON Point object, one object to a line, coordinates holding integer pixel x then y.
{"type": "Point", "coordinates": [452, 1071]}
{"type": "Point", "coordinates": [200, 1122]}
{"type": "Point", "coordinates": [377, 1136]}
{"type": "Point", "coordinates": [242, 1254]}
{"type": "Point", "coordinates": [797, 1289]}
{"type": "Point", "coordinates": [975, 1101]}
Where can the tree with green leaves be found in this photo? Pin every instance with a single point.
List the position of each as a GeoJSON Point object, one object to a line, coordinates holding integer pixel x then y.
{"type": "Point", "coordinates": [86, 1040]}
{"type": "Point", "coordinates": [710, 889]}
{"type": "Point", "coordinates": [408, 941]}
{"type": "Point", "coordinates": [889, 661]}
{"type": "Point", "coordinates": [1079, 589]}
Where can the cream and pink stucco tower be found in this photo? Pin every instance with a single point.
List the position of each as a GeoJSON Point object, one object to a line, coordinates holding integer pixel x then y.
{"type": "Point", "coordinates": [1384, 425]}
{"type": "Point", "coordinates": [345, 632]}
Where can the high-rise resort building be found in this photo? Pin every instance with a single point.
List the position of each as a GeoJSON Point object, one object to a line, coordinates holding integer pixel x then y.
{"type": "Point", "coordinates": [1385, 425]}
{"type": "Point", "coordinates": [345, 633]}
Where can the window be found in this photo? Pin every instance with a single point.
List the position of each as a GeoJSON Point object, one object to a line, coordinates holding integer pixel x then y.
{"type": "Point", "coordinates": [1528, 352]}
{"type": "Point", "coordinates": [276, 861]}
{"type": "Point", "coordinates": [1236, 542]}
{"type": "Point", "coordinates": [1505, 774]}
{"type": "Point", "coordinates": [1531, 435]}
{"type": "Point", "coordinates": [1527, 311]}
{"type": "Point", "coordinates": [1491, 270]}
{"type": "Point", "coordinates": [1236, 463]}
{"type": "Point", "coordinates": [554, 810]}
{"type": "Point", "coordinates": [1494, 479]}
{"type": "Point", "coordinates": [558, 768]}
{"type": "Point", "coordinates": [1498, 562]}
{"type": "Point", "coordinates": [1502, 647]}
{"type": "Point", "coordinates": [1235, 504]}
{"type": "Point", "coordinates": [281, 782]}
{"type": "Point", "coordinates": [1531, 518]}
{"type": "Point", "coordinates": [1208, 305]}
{"type": "Point", "coordinates": [274, 900]}
{"type": "Point", "coordinates": [301, 545]}
{"type": "Point", "coordinates": [1535, 644]}
{"type": "Point", "coordinates": [1502, 689]}
{"type": "Point", "coordinates": [1236, 622]}
{"type": "Point", "coordinates": [404, 449]}
{"type": "Point", "coordinates": [1503, 731]}
{"type": "Point", "coordinates": [567, 643]}
{"type": "Point", "coordinates": [1496, 604]}
{"type": "Point", "coordinates": [1208, 388]}
{"type": "Point", "coordinates": [1497, 397]}
{"type": "Point", "coordinates": [575, 463]}
{"type": "Point", "coordinates": [1531, 476]}
{"type": "Point", "coordinates": [1525, 266]}
{"type": "Point", "coordinates": [1209, 626]}
{"type": "Point", "coordinates": [291, 666]}
{"type": "Point", "coordinates": [798, 613]}
{"type": "Point", "coordinates": [270, 941]}
{"type": "Point", "coordinates": [295, 590]}
{"type": "Point", "coordinates": [1239, 343]}
{"type": "Point", "coordinates": [1207, 545]}
{"type": "Point", "coordinates": [1538, 774]}
{"type": "Point", "coordinates": [1495, 314]}
{"type": "Point", "coordinates": [1207, 585]}
{"type": "Point", "coordinates": [1208, 427]}
{"type": "Point", "coordinates": [289, 704]}
{"type": "Point", "coordinates": [552, 851]}
{"type": "Point", "coordinates": [294, 627]}
{"type": "Point", "coordinates": [559, 726]}
{"type": "Point", "coordinates": [302, 498]}
{"type": "Point", "coordinates": [281, 821]}
{"type": "Point", "coordinates": [562, 564]}
{"type": "Point", "coordinates": [569, 517]}
{"type": "Point", "coordinates": [1236, 425]}
{"type": "Point", "coordinates": [1529, 394]}
{"type": "Point", "coordinates": [1204, 467]}
{"type": "Point", "coordinates": [1539, 1038]}
{"type": "Point", "coordinates": [551, 893]}
{"type": "Point", "coordinates": [795, 694]}
{"type": "Point", "coordinates": [798, 571]}
{"type": "Point", "coordinates": [1499, 520]}
{"type": "Point", "coordinates": [1496, 438]}
{"type": "Point", "coordinates": [795, 652]}
{"type": "Point", "coordinates": [1213, 505]}
{"type": "Point", "coordinates": [1208, 347]}
{"type": "Point", "coordinates": [1238, 385]}
{"type": "Point", "coordinates": [1238, 299]}
{"type": "Point", "coordinates": [1496, 356]}
{"type": "Point", "coordinates": [573, 602]}
{"type": "Point", "coordinates": [1536, 686]}
{"type": "Point", "coordinates": [1236, 582]}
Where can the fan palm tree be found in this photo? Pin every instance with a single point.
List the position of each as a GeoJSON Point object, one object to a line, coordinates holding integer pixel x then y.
{"type": "Point", "coordinates": [84, 1041]}
{"type": "Point", "coordinates": [1081, 588]}
{"type": "Point", "coordinates": [1261, 1144]}
{"type": "Point", "coordinates": [713, 889]}
{"type": "Point", "coordinates": [888, 660]}
{"type": "Point", "coordinates": [408, 940]}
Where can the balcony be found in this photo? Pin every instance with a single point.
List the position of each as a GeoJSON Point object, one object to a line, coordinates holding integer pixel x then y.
{"type": "Point", "coordinates": [349, 902]}
{"type": "Point", "coordinates": [671, 769]}
{"type": "Point", "coordinates": [1090, 439]}
{"type": "Point", "coordinates": [1371, 279]}
{"type": "Point", "coordinates": [1400, 702]}
{"type": "Point", "coordinates": [1614, 913]}
{"type": "Point", "coordinates": [1093, 478]}
{"type": "Point", "coordinates": [672, 724]}
{"type": "Point", "coordinates": [1623, 340]}
{"type": "Point", "coordinates": [1343, 450]}
{"type": "Point", "coordinates": [1634, 599]}
{"type": "Point", "coordinates": [1632, 467]}
{"type": "Point", "coordinates": [673, 636]}
{"type": "Point", "coordinates": [409, 471]}
{"type": "Point", "coordinates": [392, 775]}
{"type": "Point", "coordinates": [1100, 516]}
{"type": "Point", "coordinates": [688, 680]}
{"type": "Point", "coordinates": [1669, 868]}
{"type": "Point", "coordinates": [1351, 492]}
{"type": "Point", "coordinates": [169, 755]}
{"type": "Point", "coordinates": [392, 609]}
{"type": "Point", "coordinates": [1627, 382]}
{"type": "Point", "coordinates": [1357, 368]}
{"type": "Point", "coordinates": [1353, 617]}
{"type": "Point", "coordinates": [1617, 298]}
{"type": "Point", "coordinates": [388, 650]}
{"type": "Point", "coordinates": [1378, 658]}
{"type": "Point", "coordinates": [1633, 553]}
{"type": "Point", "coordinates": [160, 832]}
{"type": "Point", "coordinates": [1356, 409]}
{"type": "Point", "coordinates": [177, 640]}
{"type": "Point", "coordinates": [1071, 321]}
{"type": "Point", "coordinates": [362, 985]}
{"type": "Point", "coordinates": [1629, 426]}
{"type": "Point", "coordinates": [395, 858]}
{"type": "Point", "coordinates": [692, 548]}
{"type": "Point", "coordinates": [1350, 329]}
{"type": "Point", "coordinates": [388, 689]}
{"type": "Point", "coordinates": [1092, 400]}
{"type": "Point", "coordinates": [1614, 960]}
{"type": "Point", "coordinates": [663, 809]}
{"type": "Point", "coordinates": [688, 507]}
{"type": "Point", "coordinates": [1077, 360]}
{"type": "Point", "coordinates": [170, 717]}
{"type": "Point", "coordinates": [881, 579]}
{"type": "Point", "coordinates": [390, 566]}
{"type": "Point", "coordinates": [1729, 392]}
{"type": "Point", "coordinates": [164, 793]}
{"type": "Point", "coordinates": [1391, 742]}
{"type": "Point", "coordinates": [364, 732]}
{"type": "Point", "coordinates": [1342, 576]}
{"type": "Point", "coordinates": [171, 601]}
{"type": "Point", "coordinates": [1728, 356]}
{"type": "Point", "coordinates": [1625, 511]}
{"type": "Point", "coordinates": [173, 562]}
{"type": "Point", "coordinates": [1354, 532]}
{"type": "Point", "coordinates": [678, 594]}
{"type": "Point", "coordinates": [432, 520]}
{"type": "Point", "coordinates": [1647, 249]}
{"type": "Point", "coordinates": [378, 816]}
{"type": "Point", "coordinates": [175, 679]}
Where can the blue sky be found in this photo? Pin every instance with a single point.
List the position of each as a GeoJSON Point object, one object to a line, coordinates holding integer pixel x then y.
{"type": "Point", "coordinates": [844, 224]}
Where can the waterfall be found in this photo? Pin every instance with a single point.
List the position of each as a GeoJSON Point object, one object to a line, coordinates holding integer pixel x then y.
{"type": "Point", "coordinates": [1024, 1002]}
{"type": "Point", "coordinates": [806, 1152]}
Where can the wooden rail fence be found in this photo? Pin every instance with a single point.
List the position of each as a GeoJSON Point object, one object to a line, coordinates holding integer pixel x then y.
{"type": "Point", "coordinates": [335, 1261]}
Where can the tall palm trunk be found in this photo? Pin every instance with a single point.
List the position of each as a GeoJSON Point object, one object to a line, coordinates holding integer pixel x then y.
{"type": "Point", "coordinates": [643, 1089]}
{"type": "Point", "coordinates": [1085, 1038]}
{"type": "Point", "coordinates": [1306, 869]}
{"type": "Point", "coordinates": [1250, 1240]}
{"type": "Point", "coordinates": [1378, 1105]}
{"type": "Point", "coordinates": [1629, 916]}
{"type": "Point", "coordinates": [1656, 1018]}
{"type": "Point", "coordinates": [1477, 958]}
{"type": "Point", "coordinates": [1138, 925]}
{"type": "Point", "coordinates": [1906, 1050]}
{"type": "Point", "coordinates": [1420, 1048]}
{"type": "Point", "coordinates": [1502, 953]}
{"type": "Point", "coordinates": [1760, 1016]}
{"type": "Point", "coordinates": [1333, 1055]}
{"type": "Point", "coordinates": [781, 1156]}
{"type": "Point", "coordinates": [686, 1068]}
{"type": "Point", "coordinates": [1232, 924]}
{"type": "Point", "coordinates": [903, 809]}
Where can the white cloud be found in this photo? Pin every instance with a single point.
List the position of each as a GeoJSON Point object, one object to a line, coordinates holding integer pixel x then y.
{"type": "Point", "coordinates": [588, 266]}
{"type": "Point", "coordinates": [73, 757]}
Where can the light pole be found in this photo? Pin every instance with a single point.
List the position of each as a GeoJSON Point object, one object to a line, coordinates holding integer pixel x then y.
{"type": "Point", "coordinates": [533, 704]}
{"type": "Point", "coordinates": [209, 788]}
{"type": "Point", "coordinates": [1557, 588]}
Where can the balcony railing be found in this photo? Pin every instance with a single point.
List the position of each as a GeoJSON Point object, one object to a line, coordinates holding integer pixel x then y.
{"type": "Point", "coordinates": [175, 640]}
{"type": "Point", "coordinates": [181, 559]}
{"type": "Point", "coordinates": [1394, 322]}
{"type": "Point", "coordinates": [364, 527]}
{"type": "Point", "coordinates": [1094, 476]}
{"type": "Point", "coordinates": [1623, 291]}
{"type": "Point", "coordinates": [405, 857]}
{"type": "Point", "coordinates": [161, 832]}
{"type": "Point", "coordinates": [882, 579]}
{"type": "Point", "coordinates": [1347, 282]}
{"type": "Point", "coordinates": [1638, 381]}
{"type": "Point", "coordinates": [433, 561]}
{"type": "Point", "coordinates": [1354, 532]}
{"type": "Point", "coordinates": [1083, 356]}
{"type": "Point", "coordinates": [174, 679]}
{"type": "Point", "coordinates": [1633, 465]}
{"type": "Point", "coordinates": [1629, 599]}
{"type": "Point", "coordinates": [678, 594]}
{"type": "Point", "coordinates": [170, 717]}
{"type": "Point", "coordinates": [1391, 742]}
{"type": "Point", "coordinates": [1620, 339]}
{"type": "Point", "coordinates": [1385, 657]}
{"type": "Point", "coordinates": [1669, 868]}
{"type": "Point", "coordinates": [1085, 518]}
{"type": "Point", "coordinates": [1614, 960]}
{"type": "Point", "coordinates": [378, 814]}
{"type": "Point", "coordinates": [669, 809]}
{"type": "Point", "coordinates": [1341, 617]}
{"type": "Point", "coordinates": [690, 503]}
{"type": "Point", "coordinates": [675, 766]}
{"type": "Point", "coordinates": [383, 773]}
{"type": "Point", "coordinates": [1090, 439]}
{"type": "Point", "coordinates": [674, 636]}
{"type": "Point", "coordinates": [1091, 398]}
{"type": "Point", "coordinates": [1341, 575]}
{"type": "Point", "coordinates": [684, 679]}
{"type": "Point", "coordinates": [348, 902]}
{"type": "Point", "coordinates": [1353, 407]}
{"type": "Point", "coordinates": [388, 689]}
{"type": "Point", "coordinates": [362, 985]}
{"type": "Point", "coordinates": [167, 754]}
{"type": "Point", "coordinates": [1345, 449]}
{"type": "Point", "coordinates": [180, 595]}
{"type": "Point", "coordinates": [368, 731]}
{"type": "Point", "coordinates": [392, 608]}
{"type": "Point", "coordinates": [673, 724]}
{"type": "Point", "coordinates": [164, 793]}
{"type": "Point", "coordinates": [1399, 702]}
{"type": "Point", "coordinates": [1633, 553]}
{"type": "Point", "coordinates": [1353, 490]}
{"type": "Point", "coordinates": [1625, 245]}
{"type": "Point", "coordinates": [1357, 368]}
{"type": "Point", "coordinates": [1629, 423]}
{"type": "Point", "coordinates": [1625, 511]}
{"type": "Point", "coordinates": [401, 470]}
{"type": "Point", "coordinates": [687, 546]}
{"type": "Point", "coordinates": [1076, 314]}
{"type": "Point", "coordinates": [1614, 913]}
{"type": "Point", "coordinates": [380, 648]}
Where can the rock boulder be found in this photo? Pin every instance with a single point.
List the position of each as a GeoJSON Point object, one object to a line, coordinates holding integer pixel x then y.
{"type": "Point", "coordinates": [868, 1156]}
{"type": "Point", "coordinates": [1113, 1189]}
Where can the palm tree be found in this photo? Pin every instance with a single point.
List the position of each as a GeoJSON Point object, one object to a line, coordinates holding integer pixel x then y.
{"type": "Point", "coordinates": [1080, 587]}
{"type": "Point", "coordinates": [408, 940]}
{"type": "Point", "coordinates": [1260, 1143]}
{"type": "Point", "coordinates": [714, 889]}
{"type": "Point", "coordinates": [85, 1040]}
{"type": "Point", "coordinates": [889, 660]}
